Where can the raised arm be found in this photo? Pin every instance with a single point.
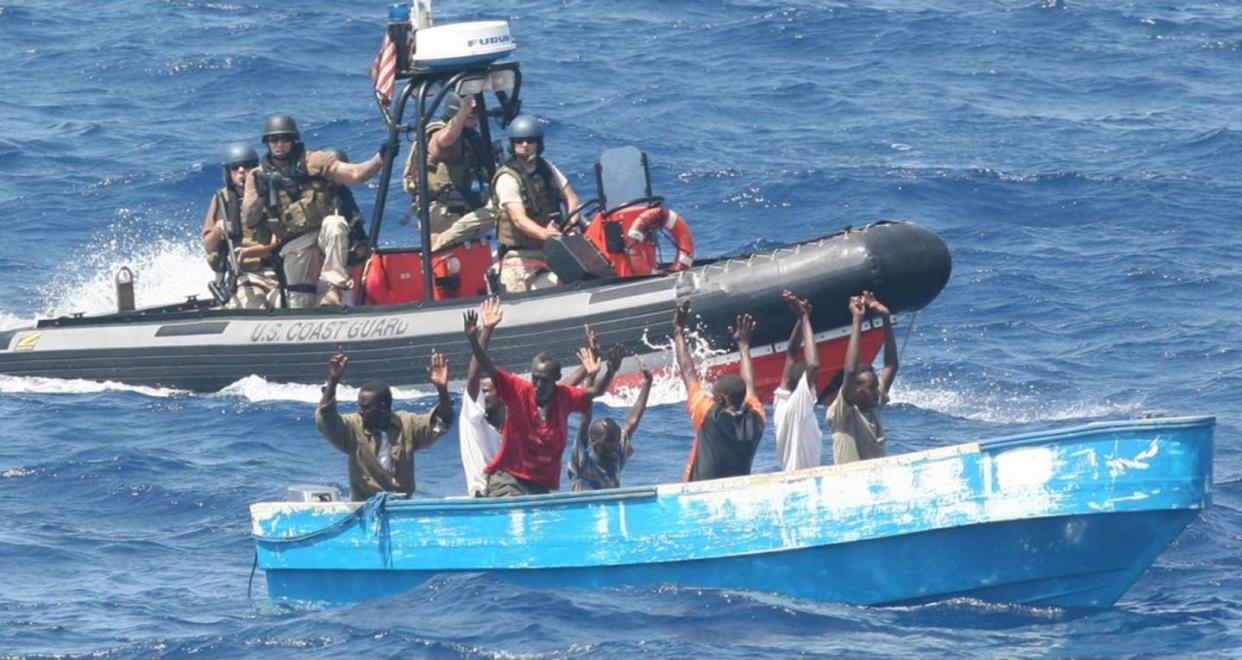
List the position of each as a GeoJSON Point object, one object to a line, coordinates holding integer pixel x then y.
{"type": "Point", "coordinates": [580, 374]}
{"type": "Point", "coordinates": [742, 330]}
{"type": "Point", "coordinates": [438, 374]}
{"type": "Point", "coordinates": [795, 342]}
{"type": "Point", "coordinates": [491, 314]}
{"type": "Point", "coordinates": [336, 370]}
{"type": "Point", "coordinates": [810, 354]}
{"type": "Point", "coordinates": [352, 174]}
{"type": "Point", "coordinates": [471, 323]}
{"type": "Point", "coordinates": [640, 406]}
{"type": "Point", "coordinates": [858, 310]}
{"type": "Point", "coordinates": [685, 363]}
{"type": "Point", "coordinates": [327, 417]}
{"type": "Point", "coordinates": [890, 343]}
{"type": "Point", "coordinates": [601, 385]}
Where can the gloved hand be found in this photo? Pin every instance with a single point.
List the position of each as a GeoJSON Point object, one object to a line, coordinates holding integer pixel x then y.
{"type": "Point", "coordinates": [388, 151]}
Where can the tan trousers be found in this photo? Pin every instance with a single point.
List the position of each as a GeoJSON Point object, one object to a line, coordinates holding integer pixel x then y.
{"type": "Point", "coordinates": [317, 260]}
{"type": "Point", "coordinates": [449, 228]}
{"type": "Point", "coordinates": [525, 270]}
{"type": "Point", "coordinates": [256, 290]}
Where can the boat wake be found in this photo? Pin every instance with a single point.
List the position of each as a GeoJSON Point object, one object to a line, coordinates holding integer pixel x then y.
{"type": "Point", "coordinates": [165, 272]}
{"type": "Point", "coordinates": [39, 385]}
{"type": "Point", "coordinates": [1003, 408]}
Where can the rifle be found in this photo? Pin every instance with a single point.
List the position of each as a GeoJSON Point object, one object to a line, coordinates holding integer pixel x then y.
{"type": "Point", "coordinates": [225, 286]}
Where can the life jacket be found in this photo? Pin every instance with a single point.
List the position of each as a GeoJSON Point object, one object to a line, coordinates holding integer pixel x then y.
{"type": "Point", "coordinates": [451, 178]}
{"type": "Point", "coordinates": [541, 197]}
{"type": "Point", "coordinates": [302, 207]}
{"type": "Point", "coordinates": [627, 238]}
{"type": "Point", "coordinates": [228, 215]}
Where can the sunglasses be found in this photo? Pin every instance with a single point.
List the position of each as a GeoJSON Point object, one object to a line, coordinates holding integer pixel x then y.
{"type": "Point", "coordinates": [525, 140]}
{"type": "Point", "coordinates": [280, 138]}
{"type": "Point", "coordinates": [243, 166]}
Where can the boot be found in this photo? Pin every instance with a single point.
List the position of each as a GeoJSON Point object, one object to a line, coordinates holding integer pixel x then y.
{"type": "Point", "coordinates": [333, 297]}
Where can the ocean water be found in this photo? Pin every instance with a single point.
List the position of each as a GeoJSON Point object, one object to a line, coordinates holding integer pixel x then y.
{"type": "Point", "coordinates": [1083, 160]}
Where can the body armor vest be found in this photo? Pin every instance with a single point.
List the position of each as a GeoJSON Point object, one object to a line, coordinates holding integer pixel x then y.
{"type": "Point", "coordinates": [257, 235]}
{"type": "Point", "coordinates": [303, 204]}
{"type": "Point", "coordinates": [541, 197]}
{"type": "Point", "coordinates": [451, 178]}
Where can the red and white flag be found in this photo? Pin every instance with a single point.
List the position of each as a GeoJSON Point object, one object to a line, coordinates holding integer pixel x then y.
{"type": "Point", "coordinates": [384, 69]}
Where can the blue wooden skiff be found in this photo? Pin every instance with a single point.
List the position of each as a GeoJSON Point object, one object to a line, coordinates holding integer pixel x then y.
{"type": "Point", "coordinates": [1066, 518]}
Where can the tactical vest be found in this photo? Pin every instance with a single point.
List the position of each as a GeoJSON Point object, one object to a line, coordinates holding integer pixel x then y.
{"type": "Point", "coordinates": [541, 197]}
{"type": "Point", "coordinates": [257, 235]}
{"type": "Point", "coordinates": [451, 178]}
{"type": "Point", "coordinates": [302, 209]}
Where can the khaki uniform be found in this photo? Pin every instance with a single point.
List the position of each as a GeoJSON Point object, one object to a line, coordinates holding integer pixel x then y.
{"type": "Point", "coordinates": [316, 251]}
{"type": "Point", "coordinates": [258, 286]}
{"type": "Point", "coordinates": [406, 433]}
{"type": "Point", "coordinates": [540, 192]}
{"type": "Point", "coordinates": [452, 173]}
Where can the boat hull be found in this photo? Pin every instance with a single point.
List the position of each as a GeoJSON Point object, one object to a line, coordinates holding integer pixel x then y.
{"type": "Point", "coordinates": [1068, 518]}
{"type": "Point", "coordinates": [1042, 562]}
{"type": "Point", "coordinates": [208, 349]}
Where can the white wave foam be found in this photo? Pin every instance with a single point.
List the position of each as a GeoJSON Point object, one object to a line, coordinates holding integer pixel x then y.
{"type": "Point", "coordinates": [259, 390]}
{"type": "Point", "coordinates": [40, 385]}
{"type": "Point", "coordinates": [9, 321]}
{"type": "Point", "coordinates": [165, 272]}
{"type": "Point", "coordinates": [1007, 408]}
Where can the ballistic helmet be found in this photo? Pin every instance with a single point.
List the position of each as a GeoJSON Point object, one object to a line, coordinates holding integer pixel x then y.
{"type": "Point", "coordinates": [239, 153]}
{"type": "Point", "coordinates": [526, 127]}
{"type": "Point", "coordinates": [280, 124]}
{"type": "Point", "coordinates": [340, 155]}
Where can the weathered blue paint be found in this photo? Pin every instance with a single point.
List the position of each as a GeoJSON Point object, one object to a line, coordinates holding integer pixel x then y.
{"type": "Point", "coordinates": [1068, 518]}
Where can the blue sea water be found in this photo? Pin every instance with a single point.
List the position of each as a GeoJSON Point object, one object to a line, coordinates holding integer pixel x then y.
{"type": "Point", "coordinates": [1083, 160]}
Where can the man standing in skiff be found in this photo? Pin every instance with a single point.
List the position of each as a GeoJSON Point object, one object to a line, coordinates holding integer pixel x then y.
{"type": "Point", "coordinates": [381, 442]}
{"type": "Point", "coordinates": [527, 193]}
{"type": "Point", "coordinates": [536, 421]}
{"type": "Point", "coordinates": [291, 192]}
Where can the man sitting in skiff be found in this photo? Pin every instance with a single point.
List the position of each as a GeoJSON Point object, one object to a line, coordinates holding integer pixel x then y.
{"type": "Point", "coordinates": [456, 159]}
{"type": "Point", "coordinates": [381, 443]}
{"type": "Point", "coordinates": [854, 415]}
{"type": "Point", "coordinates": [527, 194]}
{"type": "Point", "coordinates": [729, 422]}
{"type": "Point", "coordinates": [536, 421]}
{"type": "Point", "coordinates": [257, 285]}
{"type": "Point", "coordinates": [291, 192]}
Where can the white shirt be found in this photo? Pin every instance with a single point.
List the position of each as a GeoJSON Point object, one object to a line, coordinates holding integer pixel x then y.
{"type": "Point", "coordinates": [479, 442]}
{"type": "Point", "coordinates": [798, 437]}
{"type": "Point", "coordinates": [509, 189]}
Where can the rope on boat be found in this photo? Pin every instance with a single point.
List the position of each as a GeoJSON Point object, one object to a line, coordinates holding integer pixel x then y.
{"type": "Point", "coordinates": [901, 352]}
{"type": "Point", "coordinates": [372, 510]}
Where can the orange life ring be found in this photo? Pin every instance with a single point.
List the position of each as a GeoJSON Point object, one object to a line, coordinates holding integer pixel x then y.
{"type": "Point", "coordinates": [638, 227]}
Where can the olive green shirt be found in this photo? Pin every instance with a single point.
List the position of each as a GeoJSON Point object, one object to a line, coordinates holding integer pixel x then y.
{"type": "Point", "coordinates": [406, 434]}
{"type": "Point", "coordinates": [856, 436]}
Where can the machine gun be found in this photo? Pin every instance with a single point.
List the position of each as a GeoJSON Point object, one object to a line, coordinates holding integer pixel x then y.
{"type": "Point", "coordinates": [271, 183]}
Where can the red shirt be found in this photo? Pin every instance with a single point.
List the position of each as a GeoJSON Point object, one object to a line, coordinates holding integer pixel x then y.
{"type": "Point", "coordinates": [531, 447]}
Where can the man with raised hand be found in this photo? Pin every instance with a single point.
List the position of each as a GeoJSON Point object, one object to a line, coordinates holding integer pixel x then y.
{"type": "Point", "coordinates": [536, 419]}
{"type": "Point", "coordinates": [482, 411]}
{"type": "Point", "coordinates": [799, 440]}
{"type": "Point", "coordinates": [854, 415]}
{"type": "Point", "coordinates": [381, 442]}
{"type": "Point", "coordinates": [728, 422]}
{"type": "Point", "coordinates": [603, 447]}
